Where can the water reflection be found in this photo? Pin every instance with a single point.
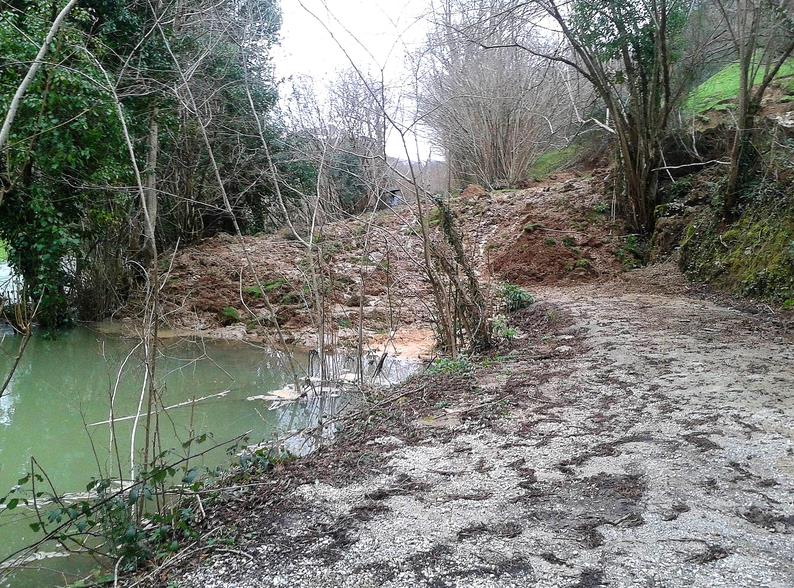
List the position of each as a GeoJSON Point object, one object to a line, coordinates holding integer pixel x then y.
{"type": "Point", "coordinates": [58, 405]}
{"type": "Point", "coordinates": [7, 406]}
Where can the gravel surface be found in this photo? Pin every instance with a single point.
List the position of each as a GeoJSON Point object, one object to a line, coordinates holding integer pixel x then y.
{"type": "Point", "coordinates": [647, 440]}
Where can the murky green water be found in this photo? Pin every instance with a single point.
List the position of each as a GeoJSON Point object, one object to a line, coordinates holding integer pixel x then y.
{"type": "Point", "coordinates": [64, 386]}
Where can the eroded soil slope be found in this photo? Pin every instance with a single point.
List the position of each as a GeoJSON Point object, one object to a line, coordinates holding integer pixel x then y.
{"type": "Point", "coordinates": [630, 439]}
{"type": "Point", "coordinates": [556, 232]}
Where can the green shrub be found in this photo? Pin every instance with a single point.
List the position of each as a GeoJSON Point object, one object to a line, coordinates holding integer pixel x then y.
{"type": "Point", "coordinates": [632, 253]}
{"type": "Point", "coordinates": [549, 242]}
{"type": "Point", "coordinates": [434, 217]}
{"type": "Point", "coordinates": [446, 366]}
{"type": "Point", "coordinates": [229, 315]}
{"type": "Point", "coordinates": [273, 285]}
{"type": "Point", "coordinates": [515, 297]}
{"type": "Point", "coordinates": [502, 329]}
{"type": "Point", "coordinates": [582, 264]}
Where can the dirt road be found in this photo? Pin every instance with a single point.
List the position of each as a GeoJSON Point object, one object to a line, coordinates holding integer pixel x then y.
{"type": "Point", "coordinates": [629, 439]}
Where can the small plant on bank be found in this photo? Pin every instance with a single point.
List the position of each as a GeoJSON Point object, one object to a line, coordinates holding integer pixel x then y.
{"type": "Point", "coordinates": [109, 513]}
{"type": "Point", "coordinates": [290, 298]}
{"type": "Point", "coordinates": [253, 291]}
{"type": "Point", "coordinates": [632, 253]}
{"type": "Point", "coordinates": [229, 315]}
{"type": "Point", "coordinates": [502, 330]}
{"type": "Point", "coordinates": [582, 263]}
{"type": "Point", "coordinates": [274, 285]}
{"type": "Point", "coordinates": [445, 366]}
{"type": "Point", "coordinates": [515, 297]}
{"type": "Point", "coordinates": [256, 292]}
{"type": "Point", "coordinates": [601, 208]}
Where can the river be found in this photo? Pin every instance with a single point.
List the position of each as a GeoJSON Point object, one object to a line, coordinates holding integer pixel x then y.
{"type": "Point", "coordinates": [62, 388]}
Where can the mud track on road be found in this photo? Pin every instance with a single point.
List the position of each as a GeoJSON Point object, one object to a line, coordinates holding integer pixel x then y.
{"type": "Point", "coordinates": [630, 439]}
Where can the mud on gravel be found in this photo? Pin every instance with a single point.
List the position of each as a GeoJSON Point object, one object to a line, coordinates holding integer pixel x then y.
{"type": "Point", "coordinates": [629, 439]}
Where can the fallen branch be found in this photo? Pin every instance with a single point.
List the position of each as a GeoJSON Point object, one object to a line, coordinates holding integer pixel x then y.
{"type": "Point", "coordinates": [166, 409]}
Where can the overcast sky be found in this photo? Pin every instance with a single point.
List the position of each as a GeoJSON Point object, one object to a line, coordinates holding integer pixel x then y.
{"type": "Point", "coordinates": [386, 28]}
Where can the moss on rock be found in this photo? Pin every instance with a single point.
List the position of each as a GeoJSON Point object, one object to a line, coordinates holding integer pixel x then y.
{"type": "Point", "coordinates": [753, 257]}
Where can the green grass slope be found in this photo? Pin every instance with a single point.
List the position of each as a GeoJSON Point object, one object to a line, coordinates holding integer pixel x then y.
{"type": "Point", "coordinates": [552, 161]}
{"type": "Point", "coordinates": [720, 90]}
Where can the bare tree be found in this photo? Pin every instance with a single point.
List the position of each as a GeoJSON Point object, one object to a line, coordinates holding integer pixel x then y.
{"type": "Point", "coordinates": [762, 33]}
{"type": "Point", "coordinates": [629, 54]}
{"type": "Point", "coordinates": [493, 111]}
{"type": "Point", "coordinates": [448, 270]}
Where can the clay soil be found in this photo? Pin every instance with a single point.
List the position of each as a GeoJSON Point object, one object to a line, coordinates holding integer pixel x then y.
{"type": "Point", "coordinates": [371, 267]}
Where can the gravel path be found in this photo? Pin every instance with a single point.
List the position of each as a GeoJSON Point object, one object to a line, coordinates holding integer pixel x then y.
{"type": "Point", "coordinates": [650, 442]}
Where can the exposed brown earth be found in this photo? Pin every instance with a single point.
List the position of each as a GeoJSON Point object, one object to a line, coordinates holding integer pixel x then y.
{"type": "Point", "coordinates": [555, 232]}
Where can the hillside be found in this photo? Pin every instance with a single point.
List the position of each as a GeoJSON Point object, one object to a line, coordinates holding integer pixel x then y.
{"type": "Point", "coordinates": [752, 254]}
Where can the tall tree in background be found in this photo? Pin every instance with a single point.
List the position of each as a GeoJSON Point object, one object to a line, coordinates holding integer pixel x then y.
{"type": "Point", "coordinates": [628, 52]}
{"type": "Point", "coordinates": [634, 56]}
{"type": "Point", "coordinates": [493, 111]}
{"type": "Point", "coordinates": [72, 223]}
{"type": "Point", "coordinates": [762, 33]}
{"type": "Point", "coordinates": [357, 111]}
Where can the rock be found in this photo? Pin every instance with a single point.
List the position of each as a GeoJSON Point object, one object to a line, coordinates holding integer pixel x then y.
{"type": "Point", "coordinates": [377, 314]}
{"type": "Point", "coordinates": [785, 120]}
{"type": "Point", "coordinates": [666, 236]}
{"type": "Point", "coordinates": [387, 440]}
{"type": "Point", "coordinates": [567, 187]}
{"type": "Point", "coordinates": [231, 333]}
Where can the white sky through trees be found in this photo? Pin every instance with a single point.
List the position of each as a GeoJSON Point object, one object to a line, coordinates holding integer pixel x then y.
{"type": "Point", "coordinates": [376, 33]}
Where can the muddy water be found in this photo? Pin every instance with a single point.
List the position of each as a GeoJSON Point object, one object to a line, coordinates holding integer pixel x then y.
{"type": "Point", "coordinates": [63, 387]}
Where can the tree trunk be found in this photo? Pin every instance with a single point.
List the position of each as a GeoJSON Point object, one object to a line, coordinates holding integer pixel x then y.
{"type": "Point", "coordinates": [641, 177]}
{"type": "Point", "coordinates": [740, 151]}
{"type": "Point", "coordinates": [151, 187]}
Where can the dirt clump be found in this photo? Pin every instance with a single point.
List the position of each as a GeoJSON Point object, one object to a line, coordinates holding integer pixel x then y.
{"type": "Point", "coordinates": [474, 192]}
{"type": "Point", "coordinates": [564, 235]}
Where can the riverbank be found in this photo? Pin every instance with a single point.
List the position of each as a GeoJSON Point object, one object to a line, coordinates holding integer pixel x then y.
{"type": "Point", "coordinates": [633, 434]}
